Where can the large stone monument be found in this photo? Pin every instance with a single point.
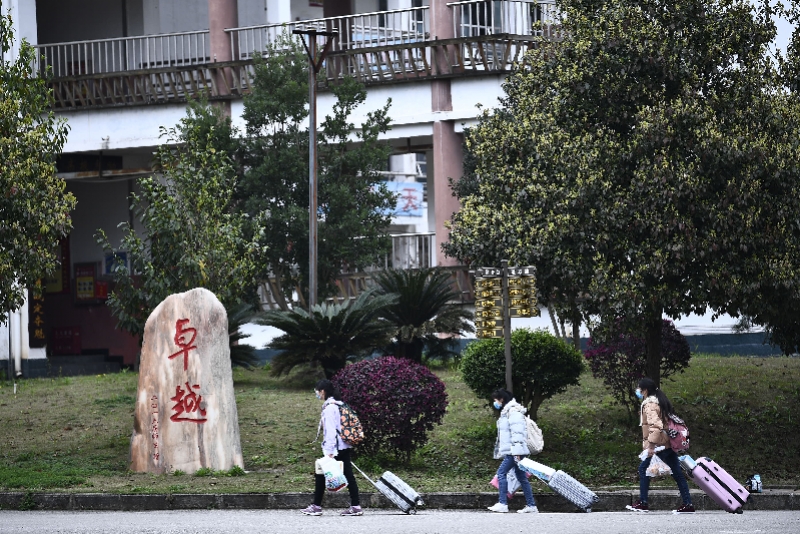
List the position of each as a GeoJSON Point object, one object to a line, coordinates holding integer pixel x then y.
{"type": "Point", "coordinates": [186, 415]}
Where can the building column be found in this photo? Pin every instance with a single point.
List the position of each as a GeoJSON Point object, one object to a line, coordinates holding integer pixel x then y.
{"type": "Point", "coordinates": [222, 14]}
{"type": "Point", "coordinates": [279, 11]}
{"type": "Point", "coordinates": [447, 144]}
{"type": "Point", "coordinates": [23, 20]}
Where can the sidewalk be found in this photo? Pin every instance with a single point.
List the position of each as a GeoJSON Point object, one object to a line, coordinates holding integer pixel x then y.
{"type": "Point", "coordinates": [610, 501]}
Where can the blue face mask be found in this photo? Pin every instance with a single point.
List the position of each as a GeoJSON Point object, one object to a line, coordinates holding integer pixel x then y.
{"type": "Point", "coordinates": [317, 395]}
{"type": "Point", "coordinates": [497, 405]}
{"type": "Point", "coordinates": [638, 393]}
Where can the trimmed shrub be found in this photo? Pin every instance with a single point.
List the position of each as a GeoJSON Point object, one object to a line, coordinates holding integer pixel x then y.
{"type": "Point", "coordinates": [620, 360]}
{"type": "Point", "coordinates": [542, 365]}
{"type": "Point", "coordinates": [398, 402]}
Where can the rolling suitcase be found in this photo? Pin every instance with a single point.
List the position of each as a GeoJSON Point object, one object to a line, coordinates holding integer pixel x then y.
{"type": "Point", "coordinates": [716, 483]}
{"type": "Point", "coordinates": [573, 491]}
{"type": "Point", "coordinates": [393, 488]}
{"type": "Point", "coordinates": [561, 483]}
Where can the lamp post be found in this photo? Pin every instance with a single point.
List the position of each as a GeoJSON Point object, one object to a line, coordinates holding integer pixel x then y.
{"type": "Point", "coordinates": [315, 63]}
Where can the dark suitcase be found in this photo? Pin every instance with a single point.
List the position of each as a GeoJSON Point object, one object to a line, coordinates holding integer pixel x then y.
{"type": "Point", "coordinates": [573, 491]}
{"type": "Point", "coordinates": [717, 484]}
{"type": "Point", "coordinates": [393, 488]}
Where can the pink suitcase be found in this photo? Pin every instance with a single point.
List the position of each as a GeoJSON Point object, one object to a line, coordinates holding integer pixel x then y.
{"type": "Point", "coordinates": [719, 485]}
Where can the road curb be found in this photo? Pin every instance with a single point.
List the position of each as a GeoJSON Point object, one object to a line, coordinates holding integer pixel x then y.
{"type": "Point", "coordinates": [547, 502]}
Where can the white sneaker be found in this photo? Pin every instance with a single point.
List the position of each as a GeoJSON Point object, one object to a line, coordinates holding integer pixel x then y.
{"type": "Point", "coordinates": [528, 510]}
{"type": "Point", "coordinates": [499, 508]}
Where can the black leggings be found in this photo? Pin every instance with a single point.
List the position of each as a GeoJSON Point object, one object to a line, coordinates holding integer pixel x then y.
{"type": "Point", "coordinates": [352, 486]}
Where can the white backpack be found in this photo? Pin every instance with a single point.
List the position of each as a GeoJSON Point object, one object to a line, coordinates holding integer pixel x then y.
{"type": "Point", "coordinates": [533, 438]}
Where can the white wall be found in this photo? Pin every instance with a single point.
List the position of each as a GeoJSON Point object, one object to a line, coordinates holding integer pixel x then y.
{"type": "Point", "coordinates": [253, 12]}
{"type": "Point", "coordinates": [172, 16]}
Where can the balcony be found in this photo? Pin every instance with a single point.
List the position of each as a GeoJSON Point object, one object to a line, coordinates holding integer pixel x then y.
{"type": "Point", "coordinates": [386, 47]}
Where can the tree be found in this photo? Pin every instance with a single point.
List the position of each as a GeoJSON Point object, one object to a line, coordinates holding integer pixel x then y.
{"type": "Point", "coordinates": [354, 205]}
{"type": "Point", "coordinates": [329, 334]}
{"type": "Point", "coordinates": [645, 164]}
{"type": "Point", "coordinates": [424, 309]}
{"type": "Point", "coordinates": [618, 358]}
{"type": "Point", "coordinates": [34, 209]}
{"type": "Point", "coordinates": [542, 366]}
{"type": "Point", "coordinates": [191, 238]}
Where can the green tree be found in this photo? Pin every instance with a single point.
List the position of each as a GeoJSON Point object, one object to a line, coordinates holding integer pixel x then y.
{"type": "Point", "coordinates": [34, 209]}
{"type": "Point", "coordinates": [425, 307]}
{"type": "Point", "coordinates": [542, 365]}
{"type": "Point", "coordinates": [329, 334]}
{"type": "Point", "coordinates": [191, 238]}
{"type": "Point", "coordinates": [354, 205]}
{"type": "Point", "coordinates": [645, 164]}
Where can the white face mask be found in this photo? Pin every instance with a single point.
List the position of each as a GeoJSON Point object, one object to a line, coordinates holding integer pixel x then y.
{"type": "Point", "coordinates": [638, 394]}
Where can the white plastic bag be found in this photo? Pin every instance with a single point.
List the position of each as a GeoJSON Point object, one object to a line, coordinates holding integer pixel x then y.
{"type": "Point", "coordinates": [513, 482]}
{"type": "Point", "coordinates": [658, 468]}
{"type": "Point", "coordinates": [333, 471]}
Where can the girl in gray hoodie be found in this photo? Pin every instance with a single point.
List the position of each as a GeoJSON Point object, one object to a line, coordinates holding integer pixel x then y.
{"type": "Point", "coordinates": [510, 447]}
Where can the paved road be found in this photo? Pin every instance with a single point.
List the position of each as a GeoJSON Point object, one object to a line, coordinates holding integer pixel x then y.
{"type": "Point", "coordinates": [386, 522]}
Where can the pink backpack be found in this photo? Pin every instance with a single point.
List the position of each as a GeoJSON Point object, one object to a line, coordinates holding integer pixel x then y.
{"type": "Point", "coordinates": [678, 434]}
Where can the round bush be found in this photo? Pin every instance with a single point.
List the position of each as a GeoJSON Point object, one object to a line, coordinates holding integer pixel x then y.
{"type": "Point", "coordinates": [542, 365]}
{"type": "Point", "coordinates": [398, 402]}
{"type": "Point", "coordinates": [620, 360]}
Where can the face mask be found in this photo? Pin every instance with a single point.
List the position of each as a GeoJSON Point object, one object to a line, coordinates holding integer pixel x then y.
{"type": "Point", "coordinates": [638, 393]}
{"type": "Point", "coordinates": [317, 395]}
{"type": "Point", "coordinates": [497, 405]}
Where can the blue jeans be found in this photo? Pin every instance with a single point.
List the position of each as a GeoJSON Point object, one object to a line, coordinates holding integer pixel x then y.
{"type": "Point", "coordinates": [502, 471]}
{"type": "Point", "coordinates": [671, 459]}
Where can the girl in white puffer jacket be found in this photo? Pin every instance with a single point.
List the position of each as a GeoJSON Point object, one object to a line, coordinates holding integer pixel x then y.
{"type": "Point", "coordinates": [510, 447]}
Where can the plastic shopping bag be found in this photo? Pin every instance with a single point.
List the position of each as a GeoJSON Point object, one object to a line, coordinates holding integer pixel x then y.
{"type": "Point", "coordinates": [658, 468]}
{"type": "Point", "coordinates": [513, 483]}
{"type": "Point", "coordinates": [333, 471]}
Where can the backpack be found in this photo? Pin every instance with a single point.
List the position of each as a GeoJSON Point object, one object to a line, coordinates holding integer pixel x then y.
{"type": "Point", "coordinates": [351, 432]}
{"type": "Point", "coordinates": [678, 434]}
{"type": "Point", "coordinates": [533, 437]}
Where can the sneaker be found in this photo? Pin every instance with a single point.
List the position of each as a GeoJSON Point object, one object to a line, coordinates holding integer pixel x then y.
{"type": "Point", "coordinates": [685, 509]}
{"type": "Point", "coordinates": [528, 510]}
{"type": "Point", "coordinates": [639, 507]}
{"type": "Point", "coordinates": [312, 509]}
{"type": "Point", "coordinates": [353, 510]}
{"type": "Point", "coordinates": [499, 508]}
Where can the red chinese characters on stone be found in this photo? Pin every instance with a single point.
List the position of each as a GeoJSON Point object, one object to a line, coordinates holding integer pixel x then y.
{"type": "Point", "coordinates": [187, 402]}
{"type": "Point", "coordinates": [180, 339]}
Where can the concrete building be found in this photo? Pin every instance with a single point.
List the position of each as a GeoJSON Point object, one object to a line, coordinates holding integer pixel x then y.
{"type": "Point", "coordinates": [123, 68]}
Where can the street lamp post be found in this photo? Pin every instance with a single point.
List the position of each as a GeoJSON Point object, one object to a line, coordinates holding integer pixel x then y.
{"type": "Point", "coordinates": [315, 64]}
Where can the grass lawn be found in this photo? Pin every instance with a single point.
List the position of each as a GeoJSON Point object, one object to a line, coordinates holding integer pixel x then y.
{"type": "Point", "coordinates": [72, 434]}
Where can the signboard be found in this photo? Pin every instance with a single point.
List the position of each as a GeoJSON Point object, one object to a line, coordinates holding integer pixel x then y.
{"type": "Point", "coordinates": [490, 302]}
{"type": "Point", "coordinates": [85, 277]}
{"type": "Point", "coordinates": [409, 199]}
{"type": "Point", "coordinates": [36, 337]}
{"type": "Point", "coordinates": [59, 281]}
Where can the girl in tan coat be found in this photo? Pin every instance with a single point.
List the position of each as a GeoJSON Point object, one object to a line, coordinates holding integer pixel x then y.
{"type": "Point", "coordinates": [654, 412]}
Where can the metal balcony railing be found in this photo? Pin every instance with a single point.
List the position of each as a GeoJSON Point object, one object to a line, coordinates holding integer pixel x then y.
{"type": "Point", "coordinates": [412, 251]}
{"type": "Point", "coordinates": [515, 17]}
{"type": "Point", "coordinates": [377, 29]}
{"type": "Point", "coordinates": [121, 54]}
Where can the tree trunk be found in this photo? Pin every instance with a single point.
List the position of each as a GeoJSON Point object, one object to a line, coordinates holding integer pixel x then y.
{"type": "Point", "coordinates": [576, 328]}
{"type": "Point", "coordinates": [653, 343]}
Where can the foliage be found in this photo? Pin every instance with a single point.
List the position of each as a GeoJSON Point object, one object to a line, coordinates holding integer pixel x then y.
{"type": "Point", "coordinates": [645, 164]}
{"type": "Point", "coordinates": [425, 307]}
{"type": "Point", "coordinates": [190, 237]}
{"type": "Point", "coordinates": [618, 358]}
{"type": "Point", "coordinates": [242, 354]}
{"type": "Point", "coordinates": [354, 205]}
{"type": "Point", "coordinates": [397, 401]}
{"type": "Point", "coordinates": [329, 334]}
{"type": "Point", "coordinates": [542, 365]}
{"type": "Point", "coordinates": [34, 209]}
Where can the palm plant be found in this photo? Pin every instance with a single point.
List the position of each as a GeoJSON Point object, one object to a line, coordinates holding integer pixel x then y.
{"type": "Point", "coordinates": [328, 334]}
{"type": "Point", "coordinates": [425, 309]}
{"type": "Point", "coordinates": [242, 354]}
